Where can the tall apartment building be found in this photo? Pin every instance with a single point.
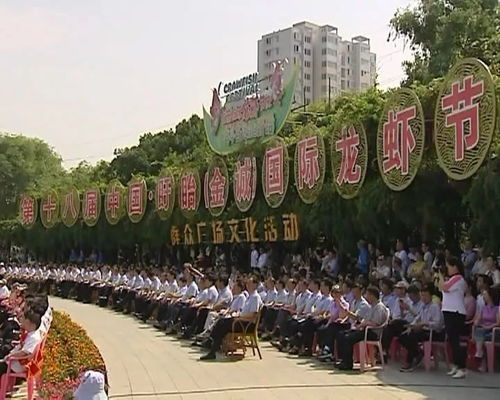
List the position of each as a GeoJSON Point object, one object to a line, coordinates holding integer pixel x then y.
{"type": "Point", "coordinates": [328, 64]}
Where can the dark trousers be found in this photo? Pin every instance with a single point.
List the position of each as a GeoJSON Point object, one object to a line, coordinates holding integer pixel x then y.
{"type": "Point", "coordinates": [199, 322]}
{"type": "Point", "coordinates": [454, 325]}
{"type": "Point", "coordinates": [394, 329]}
{"type": "Point", "coordinates": [327, 334]}
{"type": "Point", "coordinates": [307, 330]}
{"type": "Point", "coordinates": [222, 327]}
{"type": "Point", "coordinates": [290, 328]}
{"type": "Point", "coordinates": [346, 341]}
{"type": "Point", "coordinates": [410, 341]}
{"type": "Point", "coordinates": [270, 319]}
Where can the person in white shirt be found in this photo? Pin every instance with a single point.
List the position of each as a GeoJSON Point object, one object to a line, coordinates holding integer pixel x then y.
{"type": "Point", "coordinates": [247, 319]}
{"type": "Point", "coordinates": [254, 257]}
{"type": "Point", "coordinates": [218, 296]}
{"type": "Point", "coordinates": [262, 261]}
{"type": "Point", "coordinates": [237, 303]}
{"type": "Point", "coordinates": [402, 255]}
{"type": "Point", "coordinates": [26, 349]}
{"type": "Point", "coordinates": [4, 290]}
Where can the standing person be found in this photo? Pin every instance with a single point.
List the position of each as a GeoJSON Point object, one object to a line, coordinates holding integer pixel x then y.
{"type": "Point", "coordinates": [363, 258]}
{"type": "Point", "coordinates": [492, 270]}
{"type": "Point", "coordinates": [402, 255]}
{"type": "Point", "coordinates": [428, 258]}
{"type": "Point", "coordinates": [453, 307]}
{"type": "Point", "coordinates": [468, 257]}
{"type": "Point", "coordinates": [254, 257]}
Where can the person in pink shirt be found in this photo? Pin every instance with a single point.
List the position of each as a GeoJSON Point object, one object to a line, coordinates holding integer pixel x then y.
{"type": "Point", "coordinates": [338, 321]}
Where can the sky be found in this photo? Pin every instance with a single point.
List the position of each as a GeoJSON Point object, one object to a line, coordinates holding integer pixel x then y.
{"type": "Point", "coordinates": [91, 76]}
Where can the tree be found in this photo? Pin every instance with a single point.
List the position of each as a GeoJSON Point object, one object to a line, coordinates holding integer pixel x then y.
{"type": "Point", "coordinates": [439, 32]}
{"type": "Point", "coordinates": [26, 164]}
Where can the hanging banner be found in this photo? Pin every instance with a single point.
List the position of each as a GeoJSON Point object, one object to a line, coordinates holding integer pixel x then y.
{"type": "Point", "coordinates": [189, 192]}
{"type": "Point", "coordinates": [275, 172]}
{"type": "Point", "coordinates": [400, 139]}
{"type": "Point", "coordinates": [216, 186]}
{"type": "Point", "coordinates": [28, 211]}
{"type": "Point", "coordinates": [70, 207]}
{"type": "Point", "coordinates": [49, 208]}
{"type": "Point", "coordinates": [465, 117]}
{"type": "Point", "coordinates": [349, 159]}
{"type": "Point", "coordinates": [114, 202]}
{"type": "Point", "coordinates": [250, 111]}
{"type": "Point", "coordinates": [244, 230]}
{"type": "Point", "coordinates": [136, 199]}
{"type": "Point", "coordinates": [165, 195]}
{"type": "Point", "coordinates": [245, 181]}
{"type": "Point", "coordinates": [309, 165]}
{"type": "Point", "coordinates": [91, 205]}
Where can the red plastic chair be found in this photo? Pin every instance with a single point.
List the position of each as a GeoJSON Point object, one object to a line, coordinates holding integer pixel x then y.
{"type": "Point", "coordinates": [366, 348]}
{"type": "Point", "coordinates": [490, 350]}
{"type": "Point", "coordinates": [431, 349]}
{"type": "Point", "coordinates": [32, 373]}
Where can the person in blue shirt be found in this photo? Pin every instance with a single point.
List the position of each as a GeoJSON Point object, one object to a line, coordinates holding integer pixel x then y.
{"type": "Point", "coordinates": [363, 258]}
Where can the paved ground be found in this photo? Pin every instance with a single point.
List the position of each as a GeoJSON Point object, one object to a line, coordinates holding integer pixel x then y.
{"type": "Point", "coordinates": [143, 363]}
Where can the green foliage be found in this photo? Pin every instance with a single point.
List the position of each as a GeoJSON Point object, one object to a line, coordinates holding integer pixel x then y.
{"type": "Point", "coordinates": [26, 164]}
{"type": "Point", "coordinates": [439, 32]}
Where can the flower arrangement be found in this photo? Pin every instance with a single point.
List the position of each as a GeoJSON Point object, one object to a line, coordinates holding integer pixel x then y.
{"type": "Point", "coordinates": [68, 352]}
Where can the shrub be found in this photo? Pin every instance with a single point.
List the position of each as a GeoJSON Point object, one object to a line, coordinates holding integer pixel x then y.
{"type": "Point", "coordinates": [69, 352]}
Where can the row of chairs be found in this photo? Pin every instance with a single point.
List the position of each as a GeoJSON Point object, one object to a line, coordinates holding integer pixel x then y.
{"type": "Point", "coordinates": [32, 374]}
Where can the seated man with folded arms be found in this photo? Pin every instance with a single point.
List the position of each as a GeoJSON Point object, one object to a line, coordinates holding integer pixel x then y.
{"type": "Point", "coordinates": [25, 350]}
{"type": "Point", "coordinates": [302, 341]}
{"type": "Point", "coordinates": [246, 320]}
{"type": "Point", "coordinates": [346, 340]}
{"type": "Point", "coordinates": [164, 308]}
{"type": "Point", "coordinates": [429, 318]}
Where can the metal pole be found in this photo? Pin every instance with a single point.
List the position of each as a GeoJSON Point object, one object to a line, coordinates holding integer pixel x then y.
{"type": "Point", "coordinates": [304, 98]}
{"type": "Point", "coordinates": [329, 92]}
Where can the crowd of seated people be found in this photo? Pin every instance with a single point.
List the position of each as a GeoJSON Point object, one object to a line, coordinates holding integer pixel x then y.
{"type": "Point", "coordinates": [25, 319]}
{"type": "Point", "coordinates": [312, 308]}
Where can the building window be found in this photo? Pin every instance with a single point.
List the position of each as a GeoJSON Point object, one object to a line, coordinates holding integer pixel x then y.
{"type": "Point", "coordinates": [348, 84]}
{"type": "Point", "coordinates": [332, 64]}
{"type": "Point", "coordinates": [323, 39]}
{"type": "Point", "coordinates": [342, 85]}
{"type": "Point", "coordinates": [307, 77]}
{"type": "Point", "coordinates": [294, 60]}
{"type": "Point", "coordinates": [307, 89]}
{"type": "Point", "coordinates": [348, 72]}
{"type": "Point", "coordinates": [348, 60]}
{"type": "Point", "coordinates": [296, 48]}
{"type": "Point", "coordinates": [307, 64]}
{"type": "Point", "coordinates": [268, 40]}
{"type": "Point", "coordinates": [268, 53]}
{"type": "Point", "coordinates": [323, 63]}
{"type": "Point", "coordinates": [348, 48]}
{"type": "Point", "coordinates": [295, 35]}
{"type": "Point", "coordinates": [307, 39]}
{"type": "Point", "coordinates": [342, 72]}
{"type": "Point", "coordinates": [323, 52]}
{"type": "Point", "coordinates": [307, 52]}
{"type": "Point", "coordinates": [323, 76]}
{"type": "Point", "coordinates": [342, 59]}
{"type": "Point", "coordinates": [332, 52]}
